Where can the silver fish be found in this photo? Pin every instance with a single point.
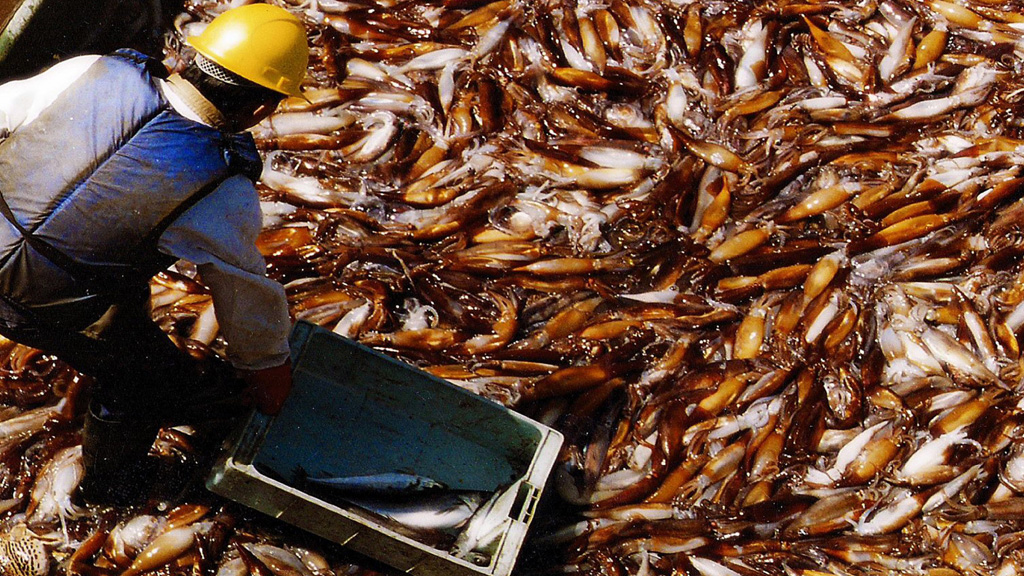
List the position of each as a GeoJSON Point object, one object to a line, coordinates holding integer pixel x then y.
{"type": "Point", "coordinates": [385, 483]}
{"type": "Point", "coordinates": [438, 512]}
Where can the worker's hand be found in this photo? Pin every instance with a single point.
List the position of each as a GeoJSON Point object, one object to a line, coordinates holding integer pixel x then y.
{"type": "Point", "coordinates": [267, 389]}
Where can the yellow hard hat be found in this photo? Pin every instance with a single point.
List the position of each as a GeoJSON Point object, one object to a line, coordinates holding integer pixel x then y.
{"type": "Point", "coordinates": [262, 43]}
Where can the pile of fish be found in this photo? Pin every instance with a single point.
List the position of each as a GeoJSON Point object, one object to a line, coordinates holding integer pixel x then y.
{"type": "Point", "coordinates": [759, 262]}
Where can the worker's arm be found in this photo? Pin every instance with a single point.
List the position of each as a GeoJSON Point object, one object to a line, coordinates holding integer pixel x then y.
{"type": "Point", "coordinates": [218, 235]}
{"type": "Point", "coordinates": [21, 101]}
{"type": "Point", "coordinates": [253, 317]}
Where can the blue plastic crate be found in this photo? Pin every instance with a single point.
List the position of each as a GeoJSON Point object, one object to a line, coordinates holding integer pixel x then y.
{"type": "Point", "coordinates": [355, 412]}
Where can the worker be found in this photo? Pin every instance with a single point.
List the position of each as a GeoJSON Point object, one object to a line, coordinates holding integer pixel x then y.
{"type": "Point", "coordinates": [111, 170]}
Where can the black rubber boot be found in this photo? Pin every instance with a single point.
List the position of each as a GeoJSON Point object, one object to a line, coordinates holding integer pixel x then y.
{"type": "Point", "coordinates": [118, 470]}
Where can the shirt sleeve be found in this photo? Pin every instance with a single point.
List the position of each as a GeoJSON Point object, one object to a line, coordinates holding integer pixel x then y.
{"type": "Point", "coordinates": [21, 101]}
{"type": "Point", "coordinates": [218, 235]}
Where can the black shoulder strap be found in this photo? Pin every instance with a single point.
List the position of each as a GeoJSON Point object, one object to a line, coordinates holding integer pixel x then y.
{"type": "Point", "coordinates": [153, 237]}
{"type": "Point", "coordinates": [152, 65]}
{"type": "Point", "coordinates": [238, 161]}
{"type": "Point", "coordinates": [77, 270]}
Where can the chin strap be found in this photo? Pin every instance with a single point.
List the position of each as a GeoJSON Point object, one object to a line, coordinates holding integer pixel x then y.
{"type": "Point", "coordinates": [195, 100]}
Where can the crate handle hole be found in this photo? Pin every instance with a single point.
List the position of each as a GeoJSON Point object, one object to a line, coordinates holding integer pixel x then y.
{"type": "Point", "coordinates": [526, 502]}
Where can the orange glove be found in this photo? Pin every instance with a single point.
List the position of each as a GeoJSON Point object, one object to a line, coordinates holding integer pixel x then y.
{"type": "Point", "coordinates": [267, 389]}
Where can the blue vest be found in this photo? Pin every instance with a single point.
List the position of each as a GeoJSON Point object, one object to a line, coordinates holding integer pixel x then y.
{"type": "Point", "coordinates": [98, 176]}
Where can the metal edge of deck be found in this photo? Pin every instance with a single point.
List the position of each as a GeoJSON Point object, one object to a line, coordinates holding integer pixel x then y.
{"type": "Point", "coordinates": [16, 25]}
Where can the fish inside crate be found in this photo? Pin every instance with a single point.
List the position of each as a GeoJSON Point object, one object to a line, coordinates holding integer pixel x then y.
{"type": "Point", "coordinates": [392, 462]}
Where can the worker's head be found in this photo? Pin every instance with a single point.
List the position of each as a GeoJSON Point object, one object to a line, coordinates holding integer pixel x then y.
{"type": "Point", "coordinates": [250, 58]}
